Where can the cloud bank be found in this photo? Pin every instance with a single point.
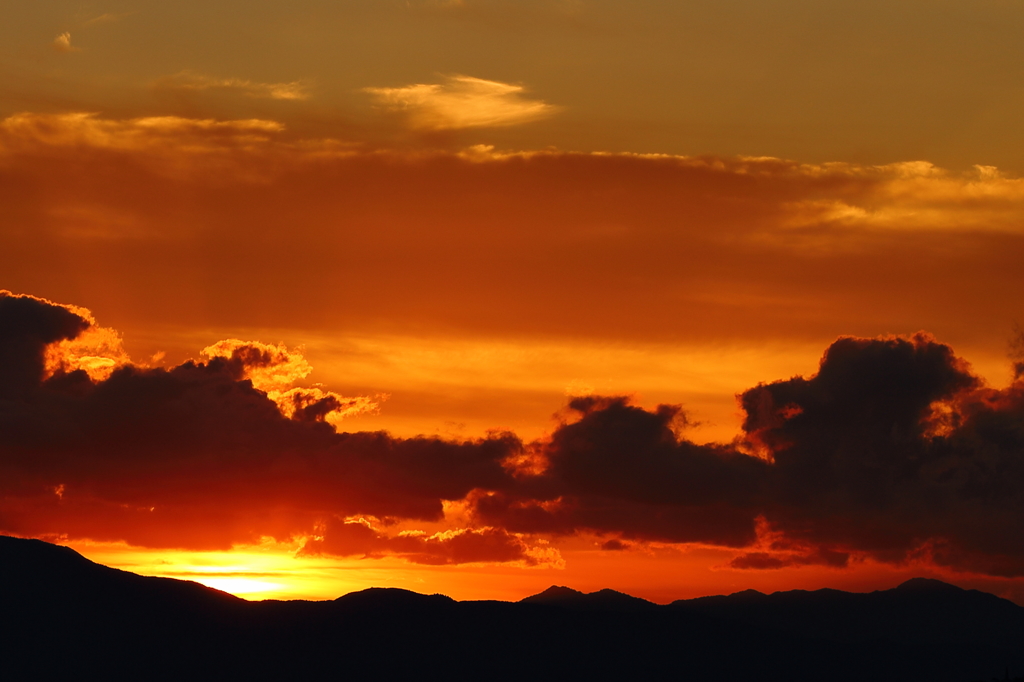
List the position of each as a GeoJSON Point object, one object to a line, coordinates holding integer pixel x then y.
{"type": "Point", "coordinates": [893, 450]}
{"type": "Point", "coordinates": [753, 248]}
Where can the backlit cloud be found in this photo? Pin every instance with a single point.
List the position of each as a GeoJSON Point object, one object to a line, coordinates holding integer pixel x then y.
{"type": "Point", "coordinates": [893, 450]}
{"type": "Point", "coordinates": [462, 102]}
{"type": "Point", "coordinates": [143, 454]}
{"type": "Point", "coordinates": [274, 370]}
{"type": "Point", "coordinates": [353, 537]}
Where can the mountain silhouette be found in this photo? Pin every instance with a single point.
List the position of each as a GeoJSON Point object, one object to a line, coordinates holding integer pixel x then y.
{"type": "Point", "coordinates": [602, 600]}
{"type": "Point", "coordinates": [65, 616]}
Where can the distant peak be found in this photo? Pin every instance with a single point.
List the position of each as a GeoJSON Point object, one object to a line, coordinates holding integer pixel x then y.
{"type": "Point", "coordinates": [602, 600]}
{"type": "Point", "coordinates": [927, 585]}
{"type": "Point", "coordinates": [390, 595]}
{"type": "Point", "coordinates": [555, 593]}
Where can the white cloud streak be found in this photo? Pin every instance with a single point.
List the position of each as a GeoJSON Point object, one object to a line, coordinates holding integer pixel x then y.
{"type": "Point", "coordinates": [188, 81]}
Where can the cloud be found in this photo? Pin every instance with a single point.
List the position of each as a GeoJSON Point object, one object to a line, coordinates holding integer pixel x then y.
{"type": "Point", "coordinates": [87, 130]}
{"type": "Point", "coordinates": [62, 43]}
{"type": "Point", "coordinates": [167, 145]}
{"type": "Point", "coordinates": [585, 456]}
{"type": "Point", "coordinates": [920, 197]}
{"type": "Point", "coordinates": [30, 326]}
{"type": "Point", "coordinates": [107, 18]}
{"type": "Point", "coordinates": [771, 561]}
{"type": "Point", "coordinates": [423, 233]}
{"type": "Point", "coordinates": [462, 102]}
{"type": "Point", "coordinates": [273, 370]}
{"type": "Point", "coordinates": [775, 550]}
{"type": "Point", "coordinates": [97, 351]}
{"type": "Point", "coordinates": [196, 456]}
{"type": "Point", "coordinates": [893, 451]}
{"type": "Point", "coordinates": [459, 546]}
{"type": "Point", "coordinates": [195, 82]}
{"type": "Point", "coordinates": [622, 469]}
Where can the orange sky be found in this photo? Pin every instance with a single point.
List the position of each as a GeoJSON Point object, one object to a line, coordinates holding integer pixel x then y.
{"type": "Point", "coordinates": [449, 219]}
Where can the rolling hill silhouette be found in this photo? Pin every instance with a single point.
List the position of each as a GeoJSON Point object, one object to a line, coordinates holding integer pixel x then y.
{"type": "Point", "coordinates": [63, 615]}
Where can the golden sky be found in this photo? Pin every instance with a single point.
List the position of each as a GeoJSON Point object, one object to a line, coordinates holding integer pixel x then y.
{"type": "Point", "coordinates": [675, 298]}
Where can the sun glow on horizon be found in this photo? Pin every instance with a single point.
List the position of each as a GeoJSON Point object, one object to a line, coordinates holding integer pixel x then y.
{"type": "Point", "coordinates": [266, 571]}
{"type": "Point", "coordinates": [660, 574]}
{"type": "Point", "coordinates": [239, 586]}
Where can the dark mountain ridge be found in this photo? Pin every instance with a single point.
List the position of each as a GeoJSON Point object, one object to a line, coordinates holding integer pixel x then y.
{"type": "Point", "coordinates": [65, 615]}
{"type": "Point", "coordinates": [602, 600]}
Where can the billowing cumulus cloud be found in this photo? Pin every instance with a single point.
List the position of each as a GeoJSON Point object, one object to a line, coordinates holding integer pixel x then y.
{"type": "Point", "coordinates": [622, 469]}
{"type": "Point", "coordinates": [147, 454]}
{"type": "Point", "coordinates": [462, 102]}
{"type": "Point", "coordinates": [273, 370]}
{"type": "Point", "coordinates": [893, 450]}
{"type": "Point", "coordinates": [30, 326]}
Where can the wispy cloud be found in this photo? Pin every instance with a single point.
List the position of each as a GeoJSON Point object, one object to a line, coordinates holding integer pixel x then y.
{"type": "Point", "coordinates": [462, 102]}
{"type": "Point", "coordinates": [135, 134]}
{"type": "Point", "coordinates": [107, 18]}
{"type": "Point", "coordinates": [187, 80]}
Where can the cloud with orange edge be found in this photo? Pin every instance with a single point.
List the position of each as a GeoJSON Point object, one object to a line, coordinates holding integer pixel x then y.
{"type": "Point", "coordinates": [462, 102]}
{"type": "Point", "coordinates": [274, 370]}
{"type": "Point", "coordinates": [845, 463]}
{"type": "Point", "coordinates": [362, 536]}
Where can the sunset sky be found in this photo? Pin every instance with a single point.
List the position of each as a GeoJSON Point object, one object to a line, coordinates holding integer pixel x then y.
{"type": "Point", "coordinates": [481, 296]}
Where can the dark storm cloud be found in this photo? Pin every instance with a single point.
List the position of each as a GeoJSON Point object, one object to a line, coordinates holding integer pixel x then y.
{"type": "Point", "coordinates": [197, 444]}
{"type": "Point", "coordinates": [893, 450]}
{"type": "Point", "coordinates": [624, 469]}
{"type": "Point", "coordinates": [27, 326]}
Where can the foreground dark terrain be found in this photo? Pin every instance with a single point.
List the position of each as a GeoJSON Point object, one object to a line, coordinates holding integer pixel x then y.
{"type": "Point", "coordinates": [63, 615]}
